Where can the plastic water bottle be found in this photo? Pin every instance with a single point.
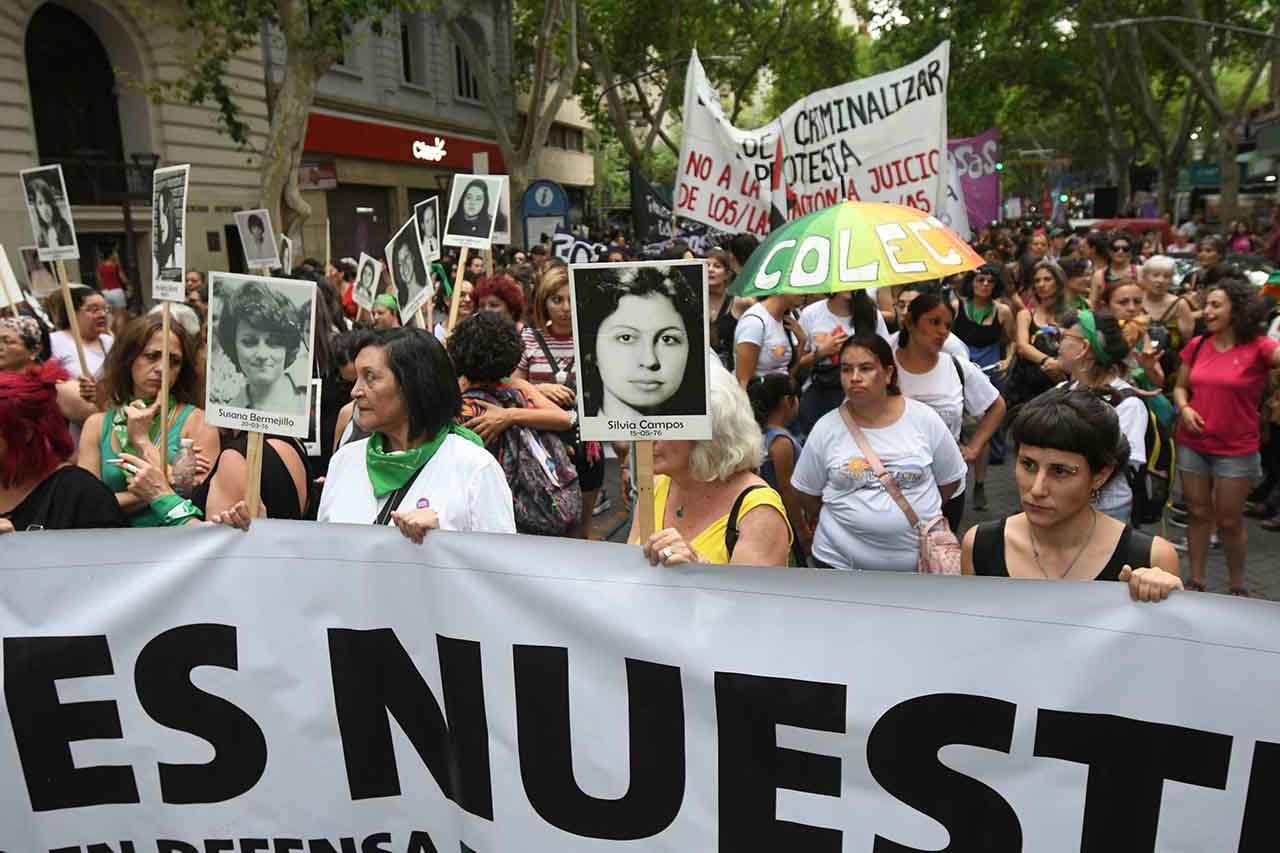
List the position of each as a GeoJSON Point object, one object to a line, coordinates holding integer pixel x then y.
{"type": "Point", "coordinates": [182, 469]}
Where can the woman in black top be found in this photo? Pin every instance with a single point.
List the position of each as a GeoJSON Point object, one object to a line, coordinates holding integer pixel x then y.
{"type": "Point", "coordinates": [1068, 446]}
{"type": "Point", "coordinates": [286, 477]}
{"type": "Point", "coordinates": [40, 489]}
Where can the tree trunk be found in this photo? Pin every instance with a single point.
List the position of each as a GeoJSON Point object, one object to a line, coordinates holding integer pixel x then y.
{"type": "Point", "coordinates": [280, 159]}
{"type": "Point", "coordinates": [1228, 146]}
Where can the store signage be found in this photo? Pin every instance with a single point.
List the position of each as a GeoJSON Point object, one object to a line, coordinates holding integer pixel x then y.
{"type": "Point", "coordinates": [434, 152]}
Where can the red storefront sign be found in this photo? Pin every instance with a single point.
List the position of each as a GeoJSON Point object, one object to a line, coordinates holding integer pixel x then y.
{"type": "Point", "coordinates": [349, 137]}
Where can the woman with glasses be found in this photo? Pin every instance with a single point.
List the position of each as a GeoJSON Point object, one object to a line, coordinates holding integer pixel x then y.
{"type": "Point", "coordinates": [89, 323]}
{"type": "Point", "coordinates": [1118, 264]}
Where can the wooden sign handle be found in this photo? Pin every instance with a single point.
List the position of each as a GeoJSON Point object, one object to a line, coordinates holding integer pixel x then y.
{"type": "Point", "coordinates": [73, 328]}
{"type": "Point", "coordinates": [164, 393]}
{"type": "Point", "coordinates": [644, 489]}
{"type": "Point", "coordinates": [253, 480]}
{"type": "Point", "coordinates": [457, 292]}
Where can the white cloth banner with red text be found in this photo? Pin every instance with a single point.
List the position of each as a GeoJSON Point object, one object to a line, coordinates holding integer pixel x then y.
{"type": "Point", "coordinates": [883, 138]}
{"type": "Point", "coordinates": [311, 687]}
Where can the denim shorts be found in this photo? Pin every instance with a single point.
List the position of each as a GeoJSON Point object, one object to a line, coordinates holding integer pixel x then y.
{"type": "Point", "coordinates": [1210, 465]}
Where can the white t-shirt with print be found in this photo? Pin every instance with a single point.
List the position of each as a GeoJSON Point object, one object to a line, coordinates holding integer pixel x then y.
{"type": "Point", "coordinates": [758, 327]}
{"type": "Point", "coordinates": [940, 389]}
{"type": "Point", "coordinates": [463, 483]}
{"type": "Point", "coordinates": [820, 323]}
{"type": "Point", "coordinates": [860, 526]}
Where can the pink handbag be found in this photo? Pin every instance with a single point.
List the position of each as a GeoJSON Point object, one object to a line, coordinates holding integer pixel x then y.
{"type": "Point", "coordinates": [939, 547]}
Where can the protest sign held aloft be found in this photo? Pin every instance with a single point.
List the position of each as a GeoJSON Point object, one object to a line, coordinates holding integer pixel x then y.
{"type": "Point", "coordinates": [168, 232]}
{"type": "Point", "coordinates": [49, 209]}
{"type": "Point", "coordinates": [497, 692]}
{"type": "Point", "coordinates": [258, 239]}
{"type": "Point", "coordinates": [975, 162]}
{"type": "Point", "coordinates": [879, 139]}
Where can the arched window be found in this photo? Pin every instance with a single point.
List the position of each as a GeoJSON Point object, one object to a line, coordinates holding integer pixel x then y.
{"type": "Point", "coordinates": [74, 102]}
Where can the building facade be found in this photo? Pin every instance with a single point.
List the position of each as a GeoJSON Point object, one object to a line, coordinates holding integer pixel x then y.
{"type": "Point", "coordinates": [72, 78]}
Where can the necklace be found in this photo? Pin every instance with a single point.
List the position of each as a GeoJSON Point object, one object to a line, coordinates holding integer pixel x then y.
{"type": "Point", "coordinates": [1035, 547]}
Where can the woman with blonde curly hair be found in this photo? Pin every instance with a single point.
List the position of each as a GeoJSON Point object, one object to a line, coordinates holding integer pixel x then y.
{"type": "Point", "coordinates": [710, 506]}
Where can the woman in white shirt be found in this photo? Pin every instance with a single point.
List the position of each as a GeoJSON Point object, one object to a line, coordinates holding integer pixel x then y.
{"type": "Point", "coordinates": [418, 469]}
{"type": "Point", "coordinates": [859, 525]}
{"type": "Point", "coordinates": [826, 324]}
{"type": "Point", "coordinates": [1094, 349]}
{"type": "Point", "coordinates": [89, 324]}
{"type": "Point", "coordinates": [952, 387]}
{"type": "Point", "coordinates": [768, 338]}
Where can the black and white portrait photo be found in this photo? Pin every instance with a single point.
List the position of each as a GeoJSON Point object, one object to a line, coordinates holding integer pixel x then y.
{"type": "Point", "coordinates": [368, 274]}
{"type": "Point", "coordinates": [408, 272]}
{"type": "Point", "coordinates": [258, 239]}
{"type": "Point", "coordinates": [640, 334]}
{"type": "Point", "coordinates": [261, 336]}
{"type": "Point", "coordinates": [428, 215]}
{"type": "Point", "coordinates": [168, 241]}
{"type": "Point", "coordinates": [473, 209]}
{"type": "Point", "coordinates": [40, 275]}
{"type": "Point", "coordinates": [502, 222]}
{"type": "Point", "coordinates": [50, 212]}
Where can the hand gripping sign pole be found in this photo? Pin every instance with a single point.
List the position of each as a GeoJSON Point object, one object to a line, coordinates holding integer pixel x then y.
{"type": "Point", "coordinates": [456, 300]}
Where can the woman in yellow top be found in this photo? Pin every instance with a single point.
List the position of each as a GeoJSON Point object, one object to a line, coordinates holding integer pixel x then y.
{"type": "Point", "coordinates": [698, 485]}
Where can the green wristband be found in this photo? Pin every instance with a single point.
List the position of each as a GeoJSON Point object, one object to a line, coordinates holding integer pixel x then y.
{"type": "Point", "coordinates": [174, 509]}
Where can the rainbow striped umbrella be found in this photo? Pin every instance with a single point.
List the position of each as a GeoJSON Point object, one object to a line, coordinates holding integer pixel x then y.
{"type": "Point", "coordinates": [852, 245]}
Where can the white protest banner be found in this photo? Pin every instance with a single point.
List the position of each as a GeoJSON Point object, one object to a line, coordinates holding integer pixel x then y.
{"type": "Point", "coordinates": [883, 138]}
{"type": "Point", "coordinates": [955, 212]}
{"type": "Point", "coordinates": [574, 250]}
{"type": "Point", "coordinates": [320, 687]}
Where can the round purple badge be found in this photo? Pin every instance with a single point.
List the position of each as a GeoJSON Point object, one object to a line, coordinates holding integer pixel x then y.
{"type": "Point", "coordinates": [423, 503]}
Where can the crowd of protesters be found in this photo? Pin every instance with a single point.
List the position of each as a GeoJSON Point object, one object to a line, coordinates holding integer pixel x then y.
{"type": "Point", "coordinates": [838, 421]}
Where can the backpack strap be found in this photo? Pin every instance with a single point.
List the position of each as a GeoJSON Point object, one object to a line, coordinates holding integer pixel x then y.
{"type": "Point", "coordinates": [731, 529]}
{"type": "Point", "coordinates": [552, 361]}
{"type": "Point", "coordinates": [885, 478]}
{"type": "Point", "coordinates": [959, 373]}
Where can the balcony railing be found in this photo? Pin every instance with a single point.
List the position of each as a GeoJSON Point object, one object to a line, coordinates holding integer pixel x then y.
{"type": "Point", "coordinates": [96, 180]}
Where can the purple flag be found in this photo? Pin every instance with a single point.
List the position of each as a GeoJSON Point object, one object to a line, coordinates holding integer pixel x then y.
{"type": "Point", "coordinates": [975, 158]}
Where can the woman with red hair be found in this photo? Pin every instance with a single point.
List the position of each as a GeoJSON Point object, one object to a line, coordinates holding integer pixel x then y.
{"type": "Point", "coordinates": [501, 294]}
{"type": "Point", "coordinates": [40, 488]}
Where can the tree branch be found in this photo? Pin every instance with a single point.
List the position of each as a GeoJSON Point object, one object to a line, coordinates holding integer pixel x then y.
{"type": "Point", "coordinates": [1207, 86]}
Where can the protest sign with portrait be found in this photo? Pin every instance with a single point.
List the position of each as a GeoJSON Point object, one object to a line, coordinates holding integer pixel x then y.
{"type": "Point", "coordinates": [640, 342]}
{"type": "Point", "coordinates": [258, 239]}
{"type": "Point", "coordinates": [368, 274]}
{"type": "Point", "coordinates": [168, 237]}
{"type": "Point", "coordinates": [50, 212]}
{"type": "Point", "coordinates": [261, 347]}
{"type": "Point", "coordinates": [408, 272]}
{"type": "Point", "coordinates": [427, 213]}
{"type": "Point", "coordinates": [473, 210]}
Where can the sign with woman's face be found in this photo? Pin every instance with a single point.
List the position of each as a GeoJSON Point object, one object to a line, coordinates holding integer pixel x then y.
{"type": "Point", "coordinates": [261, 345]}
{"type": "Point", "coordinates": [50, 212]}
{"type": "Point", "coordinates": [640, 340]}
{"type": "Point", "coordinates": [368, 274]}
{"type": "Point", "coordinates": [168, 237]}
{"type": "Point", "coordinates": [258, 239]}
{"type": "Point", "coordinates": [428, 215]}
{"type": "Point", "coordinates": [473, 210]}
{"type": "Point", "coordinates": [408, 272]}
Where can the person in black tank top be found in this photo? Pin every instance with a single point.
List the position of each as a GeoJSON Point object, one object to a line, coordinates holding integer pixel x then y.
{"type": "Point", "coordinates": [1068, 445]}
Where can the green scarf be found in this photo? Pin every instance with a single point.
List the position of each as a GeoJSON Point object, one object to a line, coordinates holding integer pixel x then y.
{"type": "Point", "coordinates": [386, 300]}
{"type": "Point", "coordinates": [120, 428]}
{"type": "Point", "coordinates": [391, 469]}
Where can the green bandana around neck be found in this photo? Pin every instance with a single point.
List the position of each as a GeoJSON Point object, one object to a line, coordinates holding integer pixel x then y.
{"type": "Point", "coordinates": [120, 427]}
{"type": "Point", "coordinates": [391, 469]}
{"type": "Point", "coordinates": [1090, 327]}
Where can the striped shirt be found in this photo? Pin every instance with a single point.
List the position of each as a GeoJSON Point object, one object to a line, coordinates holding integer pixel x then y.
{"type": "Point", "coordinates": [534, 361]}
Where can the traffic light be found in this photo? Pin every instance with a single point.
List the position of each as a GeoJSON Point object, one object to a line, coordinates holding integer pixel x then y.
{"type": "Point", "coordinates": [1064, 198]}
{"type": "Point", "coordinates": [999, 165]}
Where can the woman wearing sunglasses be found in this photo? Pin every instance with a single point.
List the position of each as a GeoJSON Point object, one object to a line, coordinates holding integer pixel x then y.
{"type": "Point", "coordinates": [1119, 264]}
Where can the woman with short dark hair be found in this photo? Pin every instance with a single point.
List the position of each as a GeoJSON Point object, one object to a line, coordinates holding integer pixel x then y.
{"type": "Point", "coordinates": [1219, 390]}
{"type": "Point", "coordinates": [1069, 445]}
{"type": "Point", "coordinates": [262, 332]}
{"type": "Point", "coordinates": [418, 469]}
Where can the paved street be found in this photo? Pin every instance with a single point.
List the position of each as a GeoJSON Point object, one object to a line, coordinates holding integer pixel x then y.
{"type": "Point", "coordinates": [1263, 575]}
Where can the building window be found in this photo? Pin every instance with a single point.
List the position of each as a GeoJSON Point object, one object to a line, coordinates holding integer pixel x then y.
{"type": "Point", "coordinates": [413, 48]}
{"type": "Point", "coordinates": [468, 86]}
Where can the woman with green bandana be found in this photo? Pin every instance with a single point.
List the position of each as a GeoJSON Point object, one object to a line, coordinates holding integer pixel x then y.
{"type": "Point", "coordinates": [118, 443]}
{"type": "Point", "coordinates": [418, 469]}
{"type": "Point", "coordinates": [1094, 348]}
{"type": "Point", "coordinates": [386, 312]}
